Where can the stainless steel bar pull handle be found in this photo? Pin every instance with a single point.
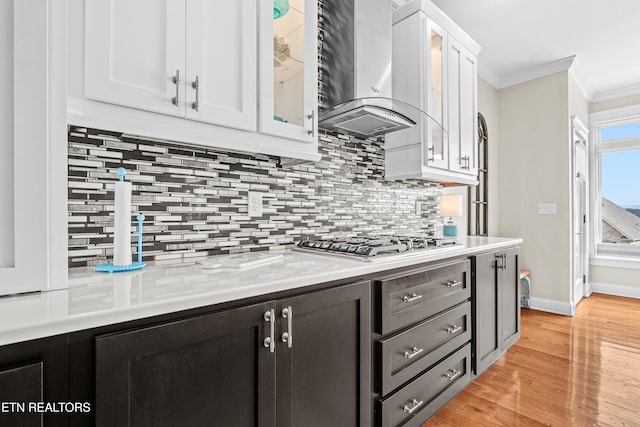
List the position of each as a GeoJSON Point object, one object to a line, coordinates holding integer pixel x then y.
{"type": "Point", "coordinates": [196, 85]}
{"type": "Point", "coordinates": [287, 336]}
{"type": "Point", "coordinates": [453, 329]}
{"type": "Point", "coordinates": [452, 374]}
{"type": "Point", "coordinates": [270, 342]}
{"type": "Point", "coordinates": [415, 404]}
{"type": "Point", "coordinates": [412, 297]}
{"type": "Point", "coordinates": [312, 117]}
{"type": "Point", "coordinates": [452, 283]}
{"type": "Point", "coordinates": [465, 162]}
{"type": "Point", "coordinates": [176, 81]}
{"type": "Point", "coordinates": [414, 352]}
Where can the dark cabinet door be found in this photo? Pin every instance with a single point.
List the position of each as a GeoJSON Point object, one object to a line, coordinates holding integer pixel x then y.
{"type": "Point", "coordinates": [206, 370]}
{"type": "Point", "coordinates": [496, 306]}
{"type": "Point", "coordinates": [486, 341]}
{"type": "Point", "coordinates": [323, 358]}
{"type": "Point", "coordinates": [19, 386]}
{"type": "Point", "coordinates": [509, 286]}
{"type": "Point", "coordinates": [32, 373]}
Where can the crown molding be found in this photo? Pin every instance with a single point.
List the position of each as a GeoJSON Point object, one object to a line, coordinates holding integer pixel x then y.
{"type": "Point", "coordinates": [488, 74]}
{"type": "Point", "coordinates": [575, 71]}
{"type": "Point", "coordinates": [616, 93]}
{"type": "Point", "coordinates": [537, 71]}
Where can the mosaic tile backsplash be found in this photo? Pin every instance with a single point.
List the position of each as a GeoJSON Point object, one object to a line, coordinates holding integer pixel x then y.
{"type": "Point", "coordinates": [195, 198]}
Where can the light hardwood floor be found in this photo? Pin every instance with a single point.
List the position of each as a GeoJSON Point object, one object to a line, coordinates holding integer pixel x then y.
{"type": "Point", "coordinates": [564, 371]}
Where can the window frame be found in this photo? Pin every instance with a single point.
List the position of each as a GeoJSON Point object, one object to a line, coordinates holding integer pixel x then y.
{"type": "Point", "coordinates": [604, 254]}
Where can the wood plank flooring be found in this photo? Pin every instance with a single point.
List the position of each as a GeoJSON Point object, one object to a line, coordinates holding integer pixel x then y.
{"type": "Point", "coordinates": [564, 371]}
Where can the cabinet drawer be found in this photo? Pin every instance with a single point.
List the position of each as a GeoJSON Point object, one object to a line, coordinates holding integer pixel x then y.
{"type": "Point", "coordinates": [424, 396]}
{"type": "Point", "coordinates": [405, 355]}
{"type": "Point", "coordinates": [409, 297]}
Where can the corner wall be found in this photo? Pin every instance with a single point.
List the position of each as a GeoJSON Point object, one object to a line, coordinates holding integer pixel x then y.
{"type": "Point", "coordinates": [534, 168]}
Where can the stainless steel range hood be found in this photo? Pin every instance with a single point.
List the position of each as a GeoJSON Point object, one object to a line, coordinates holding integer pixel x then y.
{"type": "Point", "coordinates": [355, 70]}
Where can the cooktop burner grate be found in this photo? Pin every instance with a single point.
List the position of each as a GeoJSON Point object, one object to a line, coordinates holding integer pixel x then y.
{"type": "Point", "coordinates": [372, 246]}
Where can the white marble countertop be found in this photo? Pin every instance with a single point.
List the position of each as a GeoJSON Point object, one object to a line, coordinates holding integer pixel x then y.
{"type": "Point", "coordinates": [98, 299]}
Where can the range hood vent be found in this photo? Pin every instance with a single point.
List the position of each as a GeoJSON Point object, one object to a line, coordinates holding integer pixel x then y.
{"type": "Point", "coordinates": [355, 70]}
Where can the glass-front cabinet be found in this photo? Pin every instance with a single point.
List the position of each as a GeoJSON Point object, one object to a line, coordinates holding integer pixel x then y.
{"type": "Point", "coordinates": [288, 69]}
{"type": "Point", "coordinates": [435, 44]}
{"type": "Point", "coordinates": [434, 70]}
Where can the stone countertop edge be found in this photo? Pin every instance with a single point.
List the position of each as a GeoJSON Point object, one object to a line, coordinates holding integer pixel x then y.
{"type": "Point", "coordinates": [99, 299]}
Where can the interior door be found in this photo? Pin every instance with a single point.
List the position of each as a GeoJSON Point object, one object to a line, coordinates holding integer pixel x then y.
{"type": "Point", "coordinates": [580, 213]}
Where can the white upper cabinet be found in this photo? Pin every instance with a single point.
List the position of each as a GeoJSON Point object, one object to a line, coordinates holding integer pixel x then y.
{"type": "Point", "coordinates": [33, 154]}
{"type": "Point", "coordinates": [288, 68]}
{"type": "Point", "coordinates": [221, 56]}
{"type": "Point", "coordinates": [190, 58]}
{"type": "Point", "coordinates": [133, 51]}
{"type": "Point", "coordinates": [463, 109]}
{"type": "Point", "coordinates": [437, 74]}
{"type": "Point", "coordinates": [171, 69]}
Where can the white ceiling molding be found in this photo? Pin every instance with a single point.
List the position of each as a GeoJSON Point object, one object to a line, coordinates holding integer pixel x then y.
{"type": "Point", "coordinates": [616, 93]}
{"type": "Point", "coordinates": [536, 72]}
{"type": "Point", "coordinates": [488, 74]}
{"type": "Point", "coordinates": [575, 71]}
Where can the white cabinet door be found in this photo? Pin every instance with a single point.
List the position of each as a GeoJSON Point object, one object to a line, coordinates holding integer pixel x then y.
{"type": "Point", "coordinates": [435, 70]}
{"type": "Point", "coordinates": [221, 54]}
{"type": "Point", "coordinates": [134, 53]}
{"type": "Point", "coordinates": [288, 64]}
{"type": "Point", "coordinates": [463, 111]}
{"type": "Point", "coordinates": [33, 156]}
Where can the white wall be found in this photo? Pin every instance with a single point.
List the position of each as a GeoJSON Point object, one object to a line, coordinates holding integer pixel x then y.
{"type": "Point", "coordinates": [534, 168]}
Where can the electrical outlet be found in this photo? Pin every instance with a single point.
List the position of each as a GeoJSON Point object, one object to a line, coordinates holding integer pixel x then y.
{"type": "Point", "coordinates": [255, 204]}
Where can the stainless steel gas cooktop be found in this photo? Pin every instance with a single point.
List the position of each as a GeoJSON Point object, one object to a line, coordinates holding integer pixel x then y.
{"type": "Point", "coordinates": [372, 248]}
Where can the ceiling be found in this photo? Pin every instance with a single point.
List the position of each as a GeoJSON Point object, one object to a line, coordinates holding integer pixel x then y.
{"type": "Point", "coordinates": [522, 40]}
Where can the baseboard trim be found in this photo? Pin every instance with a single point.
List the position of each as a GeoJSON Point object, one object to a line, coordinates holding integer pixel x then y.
{"type": "Point", "coordinates": [552, 306]}
{"type": "Point", "coordinates": [617, 290]}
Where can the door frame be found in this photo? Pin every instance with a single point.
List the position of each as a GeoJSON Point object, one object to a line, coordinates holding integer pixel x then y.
{"type": "Point", "coordinates": [579, 136]}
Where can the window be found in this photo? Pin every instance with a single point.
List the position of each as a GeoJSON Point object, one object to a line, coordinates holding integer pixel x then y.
{"type": "Point", "coordinates": [616, 186]}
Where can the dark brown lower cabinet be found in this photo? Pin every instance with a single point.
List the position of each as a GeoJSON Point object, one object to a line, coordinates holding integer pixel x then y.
{"type": "Point", "coordinates": [298, 361]}
{"type": "Point", "coordinates": [34, 373]}
{"type": "Point", "coordinates": [324, 360]}
{"type": "Point", "coordinates": [496, 305]}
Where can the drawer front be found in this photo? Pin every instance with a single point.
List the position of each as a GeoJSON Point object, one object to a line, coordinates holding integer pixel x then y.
{"type": "Point", "coordinates": [424, 396]}
{"type": "Point", "coordinates": [415, 295]}
{"type": "Point", "coordinates": [405, 355]}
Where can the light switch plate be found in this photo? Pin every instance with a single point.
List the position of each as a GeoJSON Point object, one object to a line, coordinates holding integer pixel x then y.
{"type": "Point", "coordinates": [255, 203]}
{"type": "Point", "coordinates": [547, 208]}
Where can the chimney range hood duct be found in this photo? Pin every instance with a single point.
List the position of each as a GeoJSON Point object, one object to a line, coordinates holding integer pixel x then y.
{"type": "Point", "coordinates": [355, 70]}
